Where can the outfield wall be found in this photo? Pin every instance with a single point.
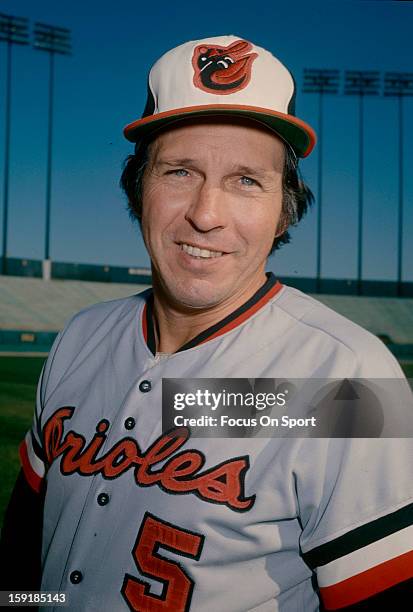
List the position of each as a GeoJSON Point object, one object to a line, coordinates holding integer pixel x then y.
{"type": "Point", "coordinates": [32, 268]}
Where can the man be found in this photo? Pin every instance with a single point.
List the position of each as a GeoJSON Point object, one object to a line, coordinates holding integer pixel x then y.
{"type": "Point", "coordinates": [142, 519]}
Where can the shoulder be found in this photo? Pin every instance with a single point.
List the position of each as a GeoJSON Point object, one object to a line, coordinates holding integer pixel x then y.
{"type": "Point", "coordinates": [93, 330]}
{"type": "Point", "coordinates": [94, 323]}
{"type": "Point", "coordinates": [94, 316]}
{"type": "Point", "coordinates": [324, 327]}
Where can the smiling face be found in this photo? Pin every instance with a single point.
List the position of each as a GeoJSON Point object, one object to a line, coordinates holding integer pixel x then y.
{"type": "Point", "coordinates": [212, 195]}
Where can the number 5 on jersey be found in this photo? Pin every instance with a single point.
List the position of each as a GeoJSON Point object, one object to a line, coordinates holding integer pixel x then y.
{"type": "Point", "coordinates": [177, 585]}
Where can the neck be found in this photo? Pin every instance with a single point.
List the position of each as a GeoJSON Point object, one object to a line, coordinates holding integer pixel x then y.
{"type": "Point", "coordinates": [176, 325]}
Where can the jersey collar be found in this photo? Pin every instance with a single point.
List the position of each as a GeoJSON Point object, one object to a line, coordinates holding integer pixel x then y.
{"type": "Point", "coordinates": [270, 288]}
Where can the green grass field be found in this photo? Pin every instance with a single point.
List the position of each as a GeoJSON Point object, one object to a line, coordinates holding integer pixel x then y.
{"type": "Point", "coordinates": [18, 380]}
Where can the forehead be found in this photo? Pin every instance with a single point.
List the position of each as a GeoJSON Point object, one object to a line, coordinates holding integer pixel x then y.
{"type": "Point", "coordinates": [236, 139]}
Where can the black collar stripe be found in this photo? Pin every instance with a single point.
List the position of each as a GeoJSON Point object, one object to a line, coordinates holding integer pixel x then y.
{"type": "Point", "coordinates": [213, 331]}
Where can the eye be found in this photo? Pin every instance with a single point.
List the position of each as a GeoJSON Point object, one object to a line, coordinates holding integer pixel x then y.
{"type": "Point", "coordinates": [179, 172]}
{"type": "Point", "coordinates": [248, 181]}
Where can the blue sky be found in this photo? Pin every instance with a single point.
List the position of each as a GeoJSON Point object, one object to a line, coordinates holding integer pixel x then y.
{"type": "Point", "coordinates": [102, 86]}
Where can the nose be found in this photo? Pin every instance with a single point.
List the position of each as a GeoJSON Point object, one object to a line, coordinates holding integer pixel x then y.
{"type": "Point", "coordinates": [207, 209]}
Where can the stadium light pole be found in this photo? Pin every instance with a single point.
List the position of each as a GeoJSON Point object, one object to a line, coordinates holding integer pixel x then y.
{"type": "Point", "coordinates": [13, 30]}
{"type": "Point", "coordinates": [51, 39]}
{"type": "Point", "coordinates": [361, 83]}
{"type": "Point", "coordinates": [321, 81]}
{"type": "Point", "coordinates": [399, 84]}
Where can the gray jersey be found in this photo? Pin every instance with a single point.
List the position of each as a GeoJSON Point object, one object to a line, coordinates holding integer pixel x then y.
{"type": "Point", "coordinates": [136, 520]}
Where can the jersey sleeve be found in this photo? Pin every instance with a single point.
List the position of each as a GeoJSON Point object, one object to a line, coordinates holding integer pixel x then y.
{"type": "Point", "coordinates": [31, 454]}
{"type": "Point", "coordinates": [356, 508]}
{"type": "Point", "coordinates": [78, 332]}
{"type": "Point", "coordinates": [21, 534]}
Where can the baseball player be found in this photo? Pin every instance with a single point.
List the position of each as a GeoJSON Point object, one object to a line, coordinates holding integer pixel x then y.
{"type": "Point", "coordinates": [135, 518]}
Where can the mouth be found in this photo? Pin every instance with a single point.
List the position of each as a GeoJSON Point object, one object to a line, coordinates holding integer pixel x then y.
{"type": "Point", "coordinates": [199, 252]}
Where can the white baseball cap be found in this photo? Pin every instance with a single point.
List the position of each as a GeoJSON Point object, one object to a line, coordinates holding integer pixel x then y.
{"type": "Point", "coordinates": [223, 75]}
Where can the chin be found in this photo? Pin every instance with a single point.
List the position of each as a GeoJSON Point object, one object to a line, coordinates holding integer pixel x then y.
{"type": "Point", "coordinates": [196, 295]}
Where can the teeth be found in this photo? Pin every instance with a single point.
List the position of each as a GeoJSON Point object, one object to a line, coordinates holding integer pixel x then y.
{"type": "Point", "coordinates": [203, 253]}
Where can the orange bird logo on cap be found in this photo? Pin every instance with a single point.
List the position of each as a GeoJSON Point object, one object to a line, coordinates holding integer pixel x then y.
{"type": "Point", "coordinates": [223, 70]}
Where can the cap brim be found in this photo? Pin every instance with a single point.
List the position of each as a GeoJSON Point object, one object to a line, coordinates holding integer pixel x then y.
{"type": "Point", "coordinates": [298, 134]}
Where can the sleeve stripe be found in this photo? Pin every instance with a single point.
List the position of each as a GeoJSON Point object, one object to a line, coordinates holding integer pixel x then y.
{"type": "Point", "coordinates": [33, 468]}
{"type": "Point", "coordinates": [38, 451]}
{"type": "Point", "coordinates": [360, 537]}
{"type": "Point", "coordinates": [366, 558]}
{"type": "Point", "coordinates": [368, 583]}
{"type": "Point", "coordinates": [394, 598]}
{"type": "Point", "coordinates": [36, 460]}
